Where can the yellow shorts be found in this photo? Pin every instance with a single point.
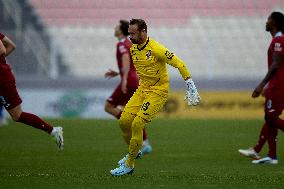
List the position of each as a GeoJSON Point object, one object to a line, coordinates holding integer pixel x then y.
{"type": "Point", "coordinates": [146, 103]}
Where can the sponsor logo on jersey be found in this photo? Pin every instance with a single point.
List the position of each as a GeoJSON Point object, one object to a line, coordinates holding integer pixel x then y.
{"type": "Point", "coordinates": [278, 47]}
{"type": "Point", "coordinates": [122, 49]}
{"type": "Point", "coordinates": [148, 54]}
{"type": "Point", "coordinates": [269, 104]}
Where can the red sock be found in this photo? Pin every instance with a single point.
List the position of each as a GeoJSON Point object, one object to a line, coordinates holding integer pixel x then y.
{"type": "Point", "coordinates": [145, 136]}
{"type": "Point", "coordinates": [262, 138]}
{"type": "Point", "coordinates": [272, 139]}
{"type": "Point", "coordinates": [35, 121]}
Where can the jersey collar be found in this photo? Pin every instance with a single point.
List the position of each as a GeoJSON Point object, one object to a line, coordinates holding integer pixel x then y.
{"type": "Point", "coordinates": [122, 39]}
{"type": "Point", "coordinates": [144, 45]}
{"type": "Point", "coordinates": [278, 34]}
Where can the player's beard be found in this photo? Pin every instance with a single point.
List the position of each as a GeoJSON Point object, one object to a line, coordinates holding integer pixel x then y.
{"type": "Point", "coordinates": [134, 41]}
{"type": "Point", "coordinates": [137, 41]}
{"type": "Point", "coordinates": [267, 28]}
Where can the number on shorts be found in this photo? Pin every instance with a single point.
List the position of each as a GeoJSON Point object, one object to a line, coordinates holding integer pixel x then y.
{"type": "Point", "coordinates": [145, 106]}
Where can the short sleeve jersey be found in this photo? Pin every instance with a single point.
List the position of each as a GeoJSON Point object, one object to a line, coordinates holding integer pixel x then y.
{"type": "Point", "coordinates": [276, 46]}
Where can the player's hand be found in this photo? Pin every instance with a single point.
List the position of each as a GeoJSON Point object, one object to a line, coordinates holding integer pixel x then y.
{"type": "Point", "coordinates": [257, 91]}
{"type": "Point", "coordinates": [192, 96]}
{"type": "Point", "coordinates": [264, 91]}
{"type": "Point", "coordinates": [124, 86]}
{"type": "Point", "coordinates": [110, 74]}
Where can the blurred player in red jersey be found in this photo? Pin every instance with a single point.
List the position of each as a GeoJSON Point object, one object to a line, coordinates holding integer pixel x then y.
{"type": "Point", "coordinates": [272, 86]}
{"type": "Point", "coordinates": [129, 78]}
{"type": "Point", "coordinates": [10, 99]}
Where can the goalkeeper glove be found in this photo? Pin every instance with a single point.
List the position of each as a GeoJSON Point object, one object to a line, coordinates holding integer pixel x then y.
{"type": "Point", "coordinates": [191, 94]}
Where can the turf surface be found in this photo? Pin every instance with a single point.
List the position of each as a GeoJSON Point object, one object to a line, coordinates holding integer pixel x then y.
{"type": "Point", "coordinates": [186, 154]}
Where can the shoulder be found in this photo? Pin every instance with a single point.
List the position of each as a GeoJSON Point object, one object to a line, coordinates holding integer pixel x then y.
{"type": "Point", "coordinates": [153, 43]}
{"type": "Point", "coordinates": [119, 44]}
{"type": "Point", "coordinates": [277, 43]}
{"type": "Point", "coordinates": [123, 47]}
{"type": "Point", "coordinates": [279, 39]}
{"type": "Point", "coordinates": [156, 47]}
{"type": "Point", "coordinates": [133, 47]}
{"type": "Point", "coordinates": [128, 42]}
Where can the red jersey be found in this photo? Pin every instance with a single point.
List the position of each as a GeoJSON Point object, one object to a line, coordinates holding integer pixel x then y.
{"type": "Point", "coordinates": [8, 91]}
{"type": "Point", "coordinates": [277, 46]}
{"type": "Point", "coordinates": [124, 47]}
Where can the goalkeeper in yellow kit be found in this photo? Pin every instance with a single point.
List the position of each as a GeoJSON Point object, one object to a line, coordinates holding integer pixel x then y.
{"type": "Point", "coordinates": [150, 59]}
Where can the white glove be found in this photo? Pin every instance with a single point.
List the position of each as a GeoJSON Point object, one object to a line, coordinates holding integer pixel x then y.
{"type": "Point", "coordinates": [191, 94]}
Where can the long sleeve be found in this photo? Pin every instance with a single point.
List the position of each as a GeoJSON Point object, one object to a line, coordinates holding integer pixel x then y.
{"type": "Point", "coordinates": [163, 54]}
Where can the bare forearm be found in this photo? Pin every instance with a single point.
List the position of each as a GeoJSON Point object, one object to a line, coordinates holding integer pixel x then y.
{"type": "Point", "coordinates": [272, 70]}
{"type": "Point", "coordinates": [258, 90]}
{"type": "Point", "coordinates": [125, 66]}
{"type": "Point", "coordinates": [2, 49]}
{"type": "Point", "coordinates": [124, 72]}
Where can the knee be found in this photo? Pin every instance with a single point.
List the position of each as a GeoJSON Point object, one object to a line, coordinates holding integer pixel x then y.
{"type": "Point", "coordinates": [125, 120]}
{"type": "Point", "coordinates": [107, 106]}
{"type": "Point", "coordinates": [15, 113]}
{"type": "Point", "coordinates": [15, 116]}
{"type": "Point", "coordinates": [138, 124]}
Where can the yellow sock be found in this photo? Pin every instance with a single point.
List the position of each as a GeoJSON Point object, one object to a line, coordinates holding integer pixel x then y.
{"type": "Point", "coordinates": [136, 140]}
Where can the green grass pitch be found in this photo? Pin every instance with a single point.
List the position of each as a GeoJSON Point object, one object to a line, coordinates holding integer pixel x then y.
{"type": "Point", "coordinates": [186, 154]}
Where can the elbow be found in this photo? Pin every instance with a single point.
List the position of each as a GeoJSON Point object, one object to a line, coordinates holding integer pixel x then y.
{"type": "Point", "coordinates": [125, 72]}
{"type": "Point", "coordinates": [10, 46]}
{"type": "Point", "coordinates": [13, 46]}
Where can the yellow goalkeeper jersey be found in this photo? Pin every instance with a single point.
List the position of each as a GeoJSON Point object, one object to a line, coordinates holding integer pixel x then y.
{"type": "Point", "coordinates": [150, 59]}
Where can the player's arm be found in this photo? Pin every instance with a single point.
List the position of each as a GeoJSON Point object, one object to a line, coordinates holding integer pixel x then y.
{"type": "Point", "coordinates": [9, 45]}
{"type": "Point", "coordinates": [124, 70]}
{"type": "Point", "coordinates": [170, 58]}
{"type": "Point", "coordinates": [164, 55]}
{"type": "Point", "coordinates": [2, 49]}
{"type": "Point", "coordinates": [277, 59]}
